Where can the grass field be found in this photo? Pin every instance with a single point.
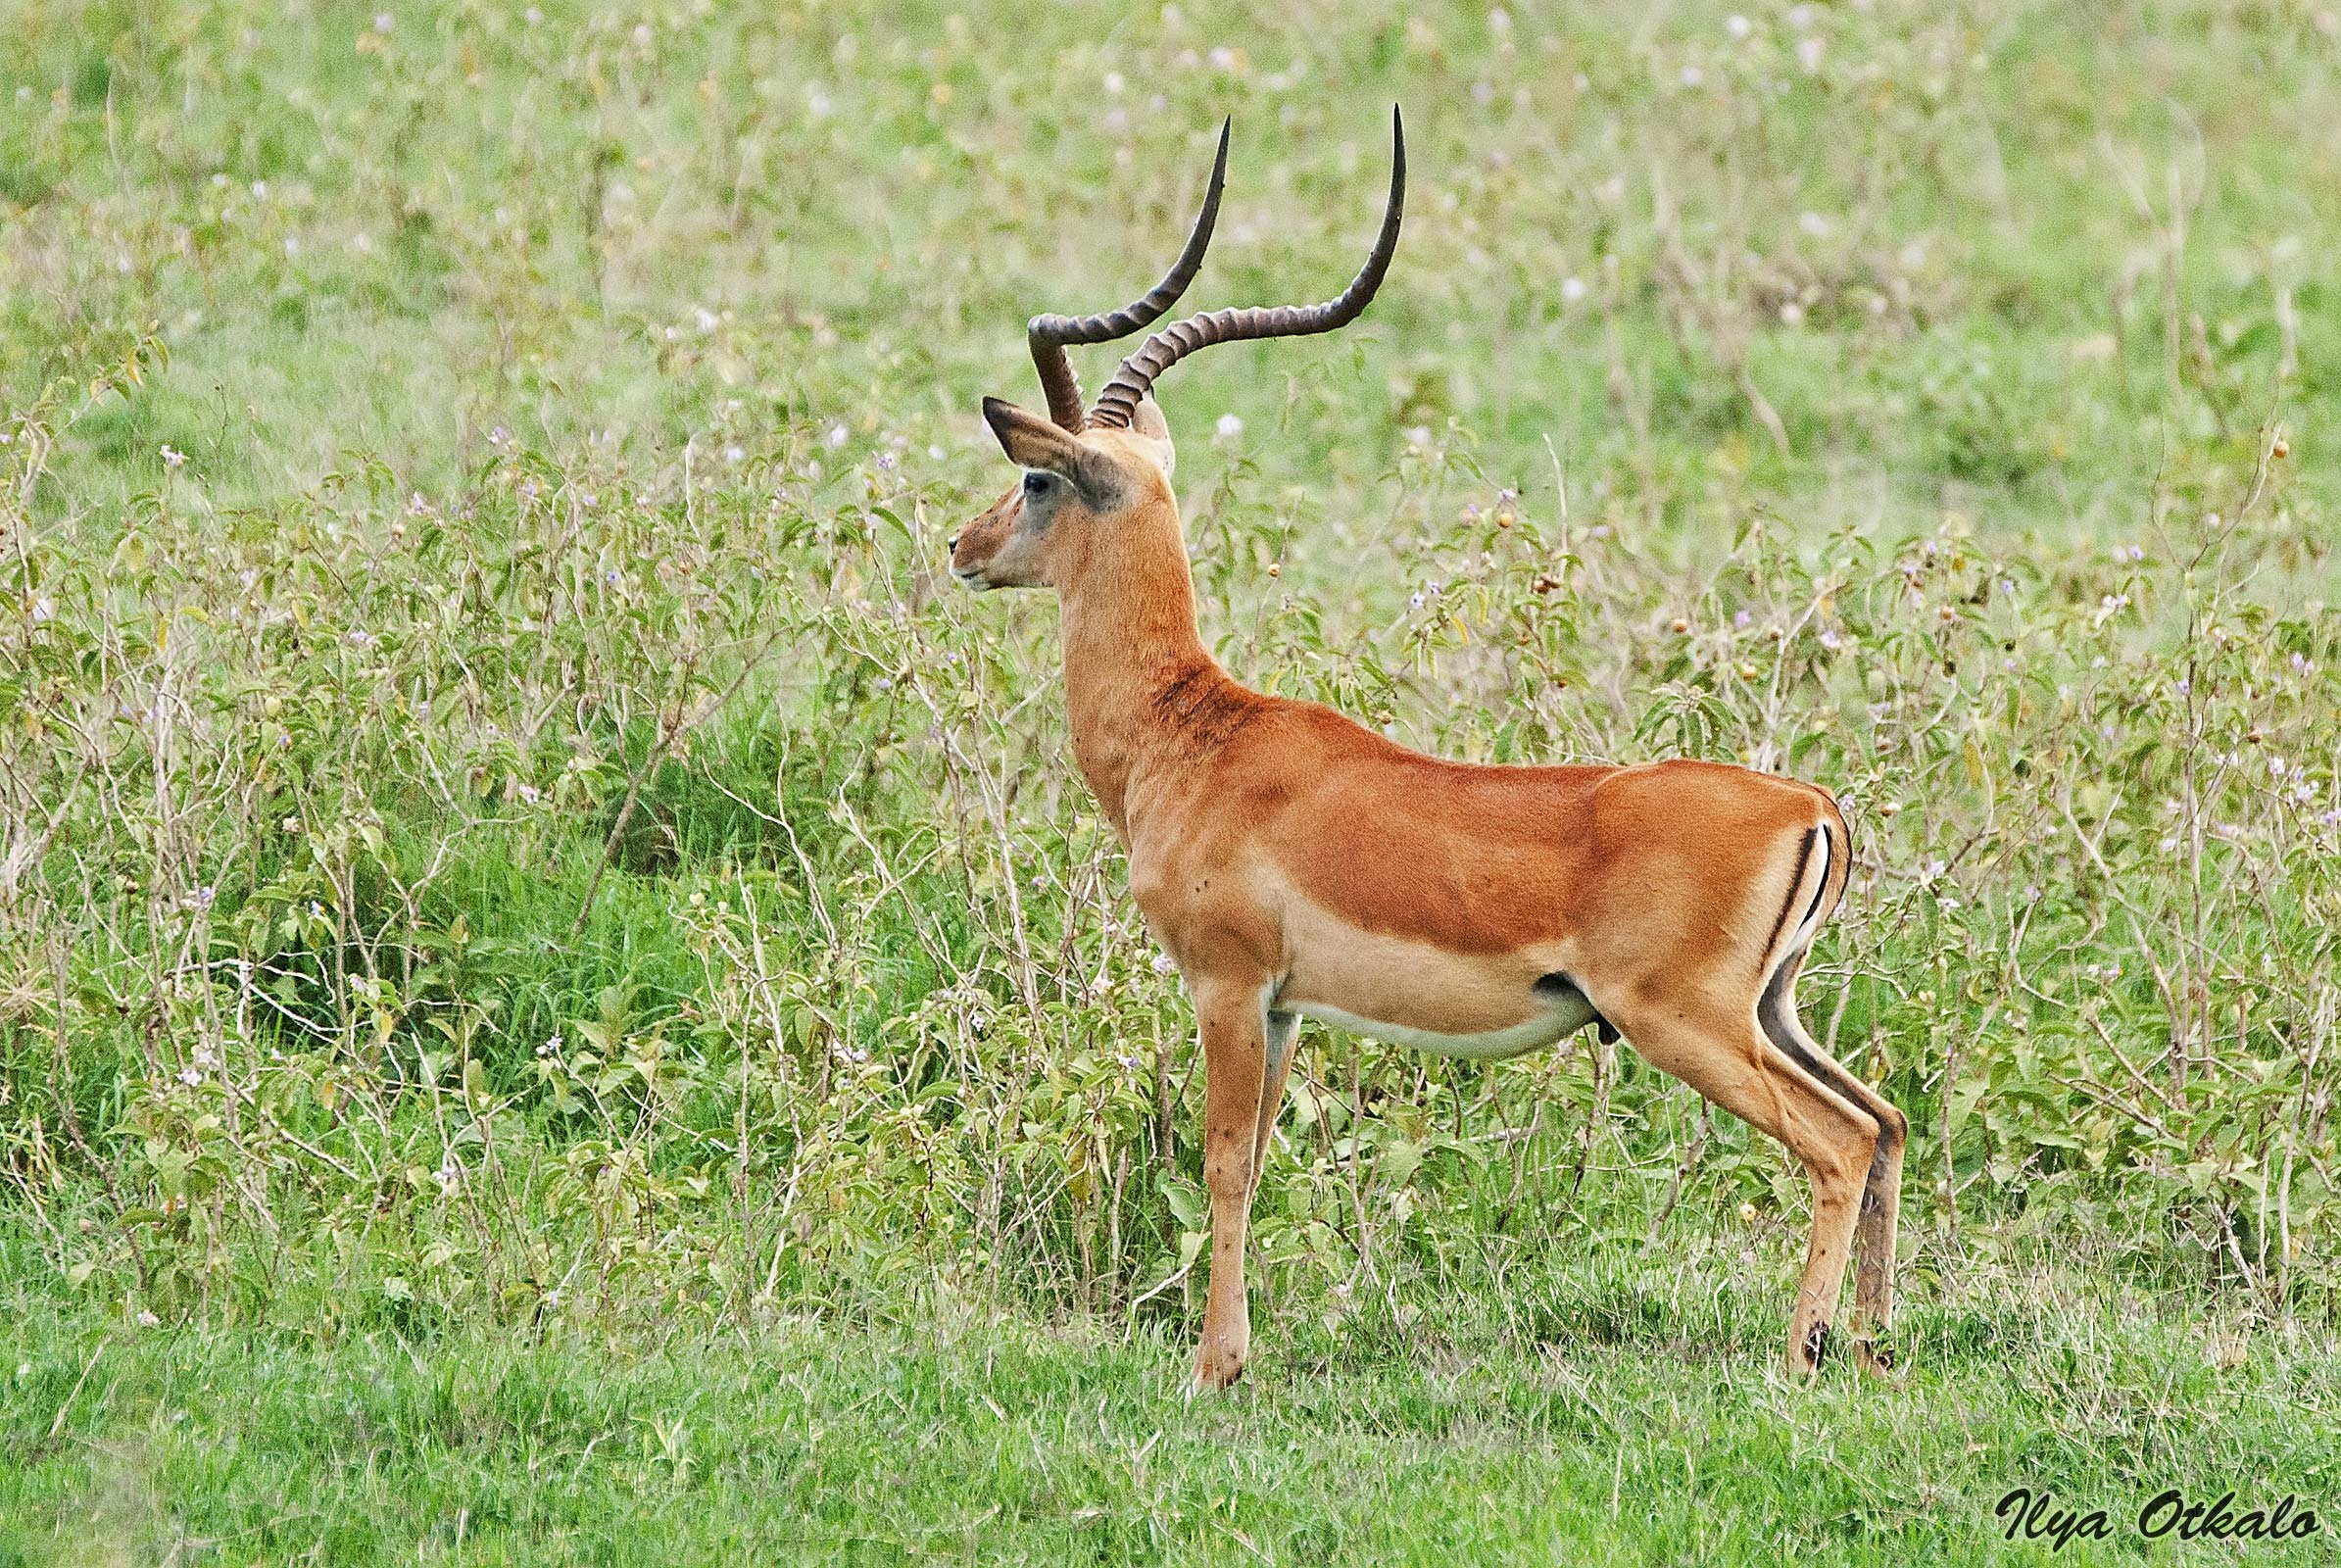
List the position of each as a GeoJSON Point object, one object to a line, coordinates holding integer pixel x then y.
{"type": "Point", "coordinates": [649, 1446]}
{"type": "Point", "coordinates": [561, 997]}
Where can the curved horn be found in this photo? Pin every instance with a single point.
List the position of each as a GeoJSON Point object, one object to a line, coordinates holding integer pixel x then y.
{"type": "Point", "coordinates": [1048, 334]}
{"type": "Point", "coordinates": [1175, 342]}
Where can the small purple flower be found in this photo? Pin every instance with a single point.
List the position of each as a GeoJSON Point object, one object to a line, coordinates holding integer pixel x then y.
{"type": "Point", "coordinates": [1740, 619]}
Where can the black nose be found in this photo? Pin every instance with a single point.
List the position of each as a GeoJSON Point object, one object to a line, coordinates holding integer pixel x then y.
{"type": "Point", "coordinates": [953, 543]}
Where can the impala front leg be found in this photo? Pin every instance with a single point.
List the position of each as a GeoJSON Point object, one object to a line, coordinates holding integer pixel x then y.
{"type": "Point", "coordinates": [1234, 1064]}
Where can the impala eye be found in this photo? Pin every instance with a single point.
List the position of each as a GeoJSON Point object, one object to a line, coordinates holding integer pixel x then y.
{"type": "Point", "coordinates": [1036, 485]}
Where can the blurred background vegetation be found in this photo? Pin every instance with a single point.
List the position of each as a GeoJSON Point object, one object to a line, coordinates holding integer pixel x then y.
{"type": "Point", "coordinates": [505, 836]}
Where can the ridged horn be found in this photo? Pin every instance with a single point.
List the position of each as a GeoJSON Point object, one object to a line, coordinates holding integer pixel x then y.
{"type": "Point", "coordinates": [1050, 335]}
{"type": "Point", "coordinates": [1166, 347]}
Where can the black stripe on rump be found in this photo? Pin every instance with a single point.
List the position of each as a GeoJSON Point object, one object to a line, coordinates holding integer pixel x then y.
{"type": "Point", "coordinates": [1796, 879]}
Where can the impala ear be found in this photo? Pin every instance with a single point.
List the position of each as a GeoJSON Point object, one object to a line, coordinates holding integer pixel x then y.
{"type": "Point", "coordinates": [1031, 442]}
{"type": "Point", "coordinates": [1147, 420]}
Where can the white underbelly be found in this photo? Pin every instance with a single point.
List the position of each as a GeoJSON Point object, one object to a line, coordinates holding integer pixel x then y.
{"type": "Point", "coordinates": [1541, 1029]}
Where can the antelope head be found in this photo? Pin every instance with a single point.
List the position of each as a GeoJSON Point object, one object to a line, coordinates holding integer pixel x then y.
{"type": "Point", "coordinates": [1096, 479]}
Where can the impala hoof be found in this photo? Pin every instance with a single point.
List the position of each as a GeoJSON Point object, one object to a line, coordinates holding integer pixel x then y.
{"type": "Point", "coordinates": [1876, 1360]}
{"type": "Point", "coordinates": [1216, 1370]}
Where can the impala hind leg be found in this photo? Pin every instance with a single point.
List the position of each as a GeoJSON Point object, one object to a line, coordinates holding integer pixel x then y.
{"type": "Point", "coordinates": [1282, 1030]}
{"type": "Point", "coordinates": [1235, 1070]}
{"type": "Point", "coordinates": [1733, 1064]}
{"type": "Point", "coordinates": [1882, 1193]}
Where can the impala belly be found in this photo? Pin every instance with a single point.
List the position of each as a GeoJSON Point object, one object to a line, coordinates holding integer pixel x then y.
{"type": "Point", "coordinates": [1539, 1029]}
{"type": "Point", "coordinates": [1483, 1005]}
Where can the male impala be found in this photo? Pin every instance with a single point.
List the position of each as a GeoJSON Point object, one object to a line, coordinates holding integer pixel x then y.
{"type": "Point", "coordinates": [1297, 865]}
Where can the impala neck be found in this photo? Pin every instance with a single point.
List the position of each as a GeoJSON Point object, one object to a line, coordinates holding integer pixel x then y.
{"type": "Point", "coordinates": [1129, 635]}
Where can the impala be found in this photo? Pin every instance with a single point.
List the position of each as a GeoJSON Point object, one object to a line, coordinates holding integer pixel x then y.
{"type": "Point", "coordinates": [1297, 865]}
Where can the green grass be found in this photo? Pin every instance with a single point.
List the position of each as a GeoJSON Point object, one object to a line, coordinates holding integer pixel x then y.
{"type": "Point", "coordinates": [562, 998]}
{"type": "Point", "coordinates": [962, 1440]}
{"type": "Point", "coordinates": [393, 242]}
